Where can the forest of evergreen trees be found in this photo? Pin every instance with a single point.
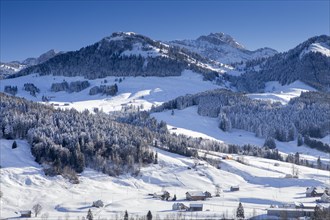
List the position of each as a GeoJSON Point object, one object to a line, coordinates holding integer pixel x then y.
{"type": "Point", "coordinates": [68, 141]}
{"type": "Point", "coordinates": [308, 115]}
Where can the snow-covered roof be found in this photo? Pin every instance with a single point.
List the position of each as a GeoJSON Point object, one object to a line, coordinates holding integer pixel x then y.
{"type": "Point", "coordinates": [325, 197]}
{"type": "Point", "coordinates": [196, 205]}
{"type": "Point", "coordinates": [196, 193]}
{"type": "Point", "coordinates": [310, 189]}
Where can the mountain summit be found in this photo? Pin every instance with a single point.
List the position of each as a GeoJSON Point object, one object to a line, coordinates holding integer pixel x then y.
{"type": "Point", "coordinates": [222, 48]}
{"type": "Point", "coordinates": [220, 39]}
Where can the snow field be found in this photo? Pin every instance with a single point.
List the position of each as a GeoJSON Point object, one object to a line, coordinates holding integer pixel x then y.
{"type": "Point", "coordinates": [261, 184]}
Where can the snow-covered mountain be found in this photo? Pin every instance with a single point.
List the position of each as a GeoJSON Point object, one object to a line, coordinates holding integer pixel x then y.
{"type": "Point", "coordinates": [16, 66]}
{"type": "Point", "coordinates": [223, 48]}
{"type": "Point", "coordinates": [126, 54]}
{"type": "Point", "coordinates": [42, 58]}
{"type": "Point", "coordinates": [308, 62]}
{"type": "Point", "coordinates": [10, 67]}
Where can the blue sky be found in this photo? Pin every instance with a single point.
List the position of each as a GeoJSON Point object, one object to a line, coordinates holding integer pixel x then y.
{"type": "Point", "coordinates": [29, 28]}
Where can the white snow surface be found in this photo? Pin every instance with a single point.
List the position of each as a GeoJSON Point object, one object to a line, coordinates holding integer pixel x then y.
{"type": "Point", "coordinates": [261, 184]}
{"type": "Point", "coordinates": [322, 48]}
{"type": "Point", "coordinates": [133, 91]}
{"type": "Point", "coordinates": [139, 49]}
{"type": "Point", "coordinates": [188, 122]}
{"type": "Point", "coordinates": [276, 92]}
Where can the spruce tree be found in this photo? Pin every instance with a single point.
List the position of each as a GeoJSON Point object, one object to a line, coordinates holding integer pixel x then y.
{"type": "Point", "coordinates": [300, 140]}
{"type": "Point", "coordinates": [240, 211]}
{"type": "Point", "coordinates": [149, 216]}
{"type": "Point", "coordinates": [318, 214]}
{"type": "Point", "coordinates": [89, 215]}
{"type": "Point", "coordinates": [156, 158]}
{"type": "Point", "coordinates": [14, 145]}
{"type": "Point", "coordinates": [126, 215]}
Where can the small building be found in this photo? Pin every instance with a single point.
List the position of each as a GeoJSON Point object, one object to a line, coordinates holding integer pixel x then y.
{"type": "Point", "coordinates": [26, 214]}
{"type": "Point", "coordinates": [162, 195]}
{"type": "Point", "coordinates": [325, 198]}
{"type": "Point", "coordinates": [195, 207]}
{"type": "Point", "coordinates": [227, 157]}
{"type": "Point", "coordinates": [179, 206]}
{"type": "Point", "coordinates": [313, 192]}
{"type": "Point", "coordinates": [234, 188]}
{"type": "Point", "coordinates": [207, 194]}
{"type": "Point", "coordinates": [195, 195]}
{"type": "Point", "coordinates": [285, 213]}
{"type": "Point", "coordinates": [166, 195]}
{"type": "Point", "coordinates": [288, 175]}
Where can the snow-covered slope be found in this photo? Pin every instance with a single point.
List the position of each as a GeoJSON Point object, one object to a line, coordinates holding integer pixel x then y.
{"type": "Point", "coordinates": [24, 184]}
{"type": "Point", "coordinates": [188, 122]}
{"type": "Point", "coordinates": [222, 48]}
{"type": "Point", "coordinates": [322, 48]}
{"type": "Point", "coordinates": [276, 92]}
{"type": "Point", "coordinates": [133, 91]}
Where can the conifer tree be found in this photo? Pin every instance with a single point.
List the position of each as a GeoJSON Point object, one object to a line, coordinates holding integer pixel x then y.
{"type": "Point", "coordinates": [240, 211]}
{"type": "Point", "coordinates": [126, 215]}
{"type": "Point", "coordinates": [14, 145]}
{"type": "Point", "coordinates": [149, 215]}
{"type": "Point", "coordinates": [89, 215]}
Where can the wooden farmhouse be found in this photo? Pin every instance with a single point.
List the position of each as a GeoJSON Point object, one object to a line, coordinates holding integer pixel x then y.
{"type": "Point", "coordinates": [195, 195]}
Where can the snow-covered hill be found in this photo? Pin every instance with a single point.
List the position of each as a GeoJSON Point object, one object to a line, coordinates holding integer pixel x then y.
{"type": "Point", "coordinates": [223, 48]}
{"type": "Point", "coordinates": [132, 91]}
{"type": "Point", "coordinates": [126, 54]}
{"type": "Point", "coordinates": [24, 184]}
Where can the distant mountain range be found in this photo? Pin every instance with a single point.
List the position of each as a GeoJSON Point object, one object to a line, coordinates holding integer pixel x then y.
{"type": "Point", "coordinates": [15, 66]}
{"type": "Point", "coordinates": [213, 55]}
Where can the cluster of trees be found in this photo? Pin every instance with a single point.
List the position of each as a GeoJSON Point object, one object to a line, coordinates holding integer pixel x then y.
{"type": "Point", "coordinates": [11, 90]}
{"type": "Point", "coordinates": [30, 87]}
{"type": "Point", "coordinates": [316, 144]}
{"type": "Point", "coordinates": [69, 139]}
{"type": "Point", "coordinates": [104, 90]}
{"type": "Point", "coordinates": [76, 86]}
{"type": "Point", "coordinates": [307, 115]}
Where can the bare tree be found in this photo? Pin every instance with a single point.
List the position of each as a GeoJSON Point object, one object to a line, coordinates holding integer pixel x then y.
{"type": "Point", "coordinates": [44, 216]}
{"type": "Point", "coordinates": [37, 209]}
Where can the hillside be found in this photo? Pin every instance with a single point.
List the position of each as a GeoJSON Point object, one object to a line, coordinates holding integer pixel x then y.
{"type": "Point", "coordinates": [27, 184]}
{"type": "Point", "coordinates": [125, 54]}
{"type": "Point", "coordinates": [309, 62]}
